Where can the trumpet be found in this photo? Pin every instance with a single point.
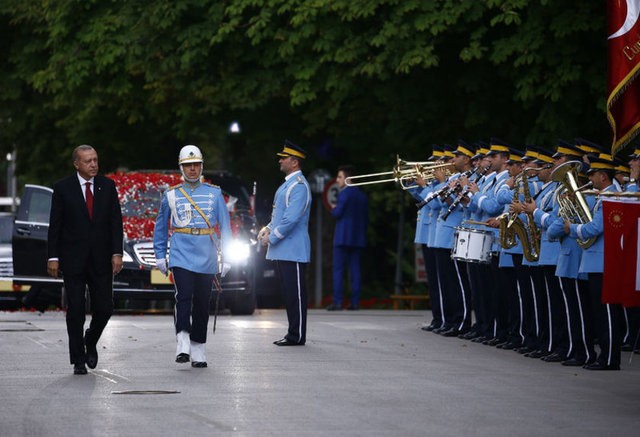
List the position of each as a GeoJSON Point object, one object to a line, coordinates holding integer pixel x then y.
{"type": "Point", "coordinates": [404, 173]}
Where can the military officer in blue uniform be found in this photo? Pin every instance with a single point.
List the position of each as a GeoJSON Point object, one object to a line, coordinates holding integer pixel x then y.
{"type": "Point", "coordinates": [349, 238]}
{"type": "Point", "coordinates": [425, 231]}
{"type": "Point", "coordinates": [573, 283]}
{"type": "Point", "coordinates": [453, 281]}
{"type": "Point", "coordinates": [192, 210]}
{"type": "Point", "coordinates": [287, 236]}
{"type": "Point", "coordinates": [608, 318]}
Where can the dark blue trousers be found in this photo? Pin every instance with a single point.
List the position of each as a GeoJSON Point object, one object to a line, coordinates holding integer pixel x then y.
{"type": "Point", "coordinates": [349, 257]}
{"type": "Point", "coordinates": [193, 297]}
{"type": "Point", "coordinates": [293, 282]}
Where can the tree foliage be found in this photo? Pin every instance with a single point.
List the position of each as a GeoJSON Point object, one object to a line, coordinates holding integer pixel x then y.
{"type": "Point", "coordinates": [354, 81]}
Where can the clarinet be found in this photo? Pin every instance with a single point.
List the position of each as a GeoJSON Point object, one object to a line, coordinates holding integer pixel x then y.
{"type": "Point", "coordinates": [460, 196]}
{"type": "Point", "coordinates": [442, 192]}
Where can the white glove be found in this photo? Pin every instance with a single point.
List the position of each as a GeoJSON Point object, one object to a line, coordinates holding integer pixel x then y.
{"type": "Point", "coordinates": [161, 264]}
{"type": "Point", "coordinates": [224, 269]}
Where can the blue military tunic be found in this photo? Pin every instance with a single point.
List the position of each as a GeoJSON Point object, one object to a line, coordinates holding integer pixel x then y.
{"type": "Point", "coordinates": [196, 253]}
{"type": "Point", "coordinates": [289, 236]}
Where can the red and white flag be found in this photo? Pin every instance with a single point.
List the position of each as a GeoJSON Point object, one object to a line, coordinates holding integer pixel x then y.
{"type": "Point", "coordinates": [623, 86]}
{"type": "Point", "coordinates": [621, 278]}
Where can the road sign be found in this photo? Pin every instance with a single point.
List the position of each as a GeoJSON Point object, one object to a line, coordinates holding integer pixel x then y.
{"type": "Point", "coordinates": [330, 194]}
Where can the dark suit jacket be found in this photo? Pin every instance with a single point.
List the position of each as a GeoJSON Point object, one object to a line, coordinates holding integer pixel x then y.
{"type": "Point", "coordinates": [352, 214]}
{"type": "Point", "coordinates": [74, 239]}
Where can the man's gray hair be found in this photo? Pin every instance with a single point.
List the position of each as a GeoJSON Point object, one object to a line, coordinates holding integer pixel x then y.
{"type": "Point", "coordinates": [83, 147]}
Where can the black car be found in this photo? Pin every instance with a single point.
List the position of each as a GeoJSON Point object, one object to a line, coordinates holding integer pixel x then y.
{"type": "Point", "coordinates": [250, 280]}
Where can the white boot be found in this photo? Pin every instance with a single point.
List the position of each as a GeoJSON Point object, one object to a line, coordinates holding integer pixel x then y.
{"type": "Point", "coordinates": [183, 348]}
{"type": "Point", "coordinates": [198, 358]}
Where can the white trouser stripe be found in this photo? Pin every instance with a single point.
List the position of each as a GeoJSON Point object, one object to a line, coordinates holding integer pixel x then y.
{"type": "Point", "coordinates": [546, 287]}
{"type": "Point", "coordinates": [566, 310]}
{"type": "Point", "coordinates": [584, 336]}
{"type": "Point", "coordinates": [299, 302]}
{"type": "Point", "coordinates": [521, 311]}
{"type": "Point", "coordinates": [610, 329]}
{"type": "Point", "coordinates": [464, 302]}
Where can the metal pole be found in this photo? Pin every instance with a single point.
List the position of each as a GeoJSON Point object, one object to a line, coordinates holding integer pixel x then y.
{"type": "Point", "coordinates": [398, 278]}
{"type": "Point", "coordinates": [318, 284]}
{"type": "Point", "coordinates": [11, 180]}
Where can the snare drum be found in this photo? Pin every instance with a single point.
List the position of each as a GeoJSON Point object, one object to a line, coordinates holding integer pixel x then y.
{"type": "Point", "coordinates": [472, 245]}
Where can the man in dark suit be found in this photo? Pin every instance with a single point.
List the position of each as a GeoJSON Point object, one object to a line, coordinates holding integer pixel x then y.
{"type": "Point", "coordinates": [349, 238]}
{"type": "Point", "coordinates": [85, 246]}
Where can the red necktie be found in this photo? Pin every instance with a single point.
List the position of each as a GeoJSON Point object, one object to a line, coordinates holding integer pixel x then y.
{"type": "Point", "coordinates": [88, 196]}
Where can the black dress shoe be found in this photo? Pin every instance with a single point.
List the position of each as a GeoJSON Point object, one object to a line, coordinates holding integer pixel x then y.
{"type": "Point", "coordinates": [601, 366]}
{"type": "Point", "coordinates": [626, 347]}
{"type": "Point", "coordinates": [492, 342]}
{"type": "Point", "coordinates": [508, 345]}
{"type": "Point", "coordinates": [286, 342]}
{"type": "Point", "coordinates": [440, 330]}
{"type": "Point", "coordinates": [79, 369]}
{"type": "Point", "coordinates": [524, 350]}
{"type": "Point", "coordinates": [479, 339]}
{"type": "Point", "coordinates": [572, 362]}
{"type": "Point", "coordinates": [555, 358]}
{"type": "Point", "coordinates": [333, 307]}
{"type": "Point", "coordinates": [353, 308]}
{"type": "Point", "coordinates": [182, 358]}
{"type": "Point", "coordinates": [453, 332]}
{"type": "Point", "coordinates": [199, 364]}
{"type": "Point", "coordinates": [537, 354]}
{"type": "Point", "coordinates": [92, 352]}
{"type": "Point", "coordinates": [428, 328]}
{"type": "Point", "coordinates": [469, 335]}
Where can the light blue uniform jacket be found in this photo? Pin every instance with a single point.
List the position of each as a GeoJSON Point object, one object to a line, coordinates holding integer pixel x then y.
{"type": "Point", "coordinates": [196, 253]}
{"type": "Point", "coordinates": [424, 219]}
{"type": "Point", "coordinates": [289, 225]}
{"type": "Point", "coordinates": [570, 253]}
{"type": "Point", "coordinates": [593, 256]}
{"type": "Point", "coordinates": [445, 229]}
{"type": "Point", "coordinates": [549, 249]}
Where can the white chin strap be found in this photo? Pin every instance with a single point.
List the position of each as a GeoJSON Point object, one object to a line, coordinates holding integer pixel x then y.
{"type": "Point", "coordinates": [191, 181]}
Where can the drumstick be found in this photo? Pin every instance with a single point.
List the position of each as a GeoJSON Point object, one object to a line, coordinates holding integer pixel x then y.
{"type": "Point", "coordinates": [475, 222]}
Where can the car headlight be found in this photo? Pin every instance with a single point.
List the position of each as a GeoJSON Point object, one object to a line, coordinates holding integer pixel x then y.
{"type": "Point", "coordinates": [237, 252]}
{"type": "Point", "coordinates": [126, 258]}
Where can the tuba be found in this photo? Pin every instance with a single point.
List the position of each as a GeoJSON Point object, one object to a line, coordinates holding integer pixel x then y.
{"type": "Point", "coordinates": [572, 205]}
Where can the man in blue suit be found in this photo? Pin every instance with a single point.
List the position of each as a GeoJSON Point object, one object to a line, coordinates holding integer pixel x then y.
{"type": "Point", "coordinates": [349, 238]}
{"type": "Point", "coordinates": [287, 236]}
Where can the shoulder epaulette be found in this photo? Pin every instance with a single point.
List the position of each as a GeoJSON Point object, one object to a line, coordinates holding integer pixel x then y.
{"type": "Point", "coordinates": [211, 185]}
{"type": "Point", "coordinates": [174, 187]}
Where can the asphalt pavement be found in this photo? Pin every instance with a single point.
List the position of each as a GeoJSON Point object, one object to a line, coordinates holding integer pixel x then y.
{"type": "Point", "coordinates": [369, 373]}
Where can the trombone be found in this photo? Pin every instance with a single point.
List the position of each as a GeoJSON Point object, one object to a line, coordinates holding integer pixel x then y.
{"type": "Point", "coordinates": [404, 173]}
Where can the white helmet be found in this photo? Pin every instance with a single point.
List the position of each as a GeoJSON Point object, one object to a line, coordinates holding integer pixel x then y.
{"type": "Point", "coordinates": [189, 154]}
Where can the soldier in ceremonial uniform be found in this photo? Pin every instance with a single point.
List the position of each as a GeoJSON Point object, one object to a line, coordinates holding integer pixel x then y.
{"type": "Point", "coordinates": [573, 283]}
{"type": "Point", "coordinates": [287, 236]}
{"type": "Point", "coordinates": [608, 317]}
{"type": "Point", "coordinates": [453, 279]}
{"type": "Point", "coordinates": [425, 224]}
{"type": "Point", "coordinates": [192, 210]}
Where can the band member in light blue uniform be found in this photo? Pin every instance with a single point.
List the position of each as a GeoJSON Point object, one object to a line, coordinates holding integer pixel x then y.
{"type": "Point", "coordinates": [192, 210]}
{"type": "Point", "coordinates": [608, 317]}
{"type": "Point", "coordinates": [287, 236]}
